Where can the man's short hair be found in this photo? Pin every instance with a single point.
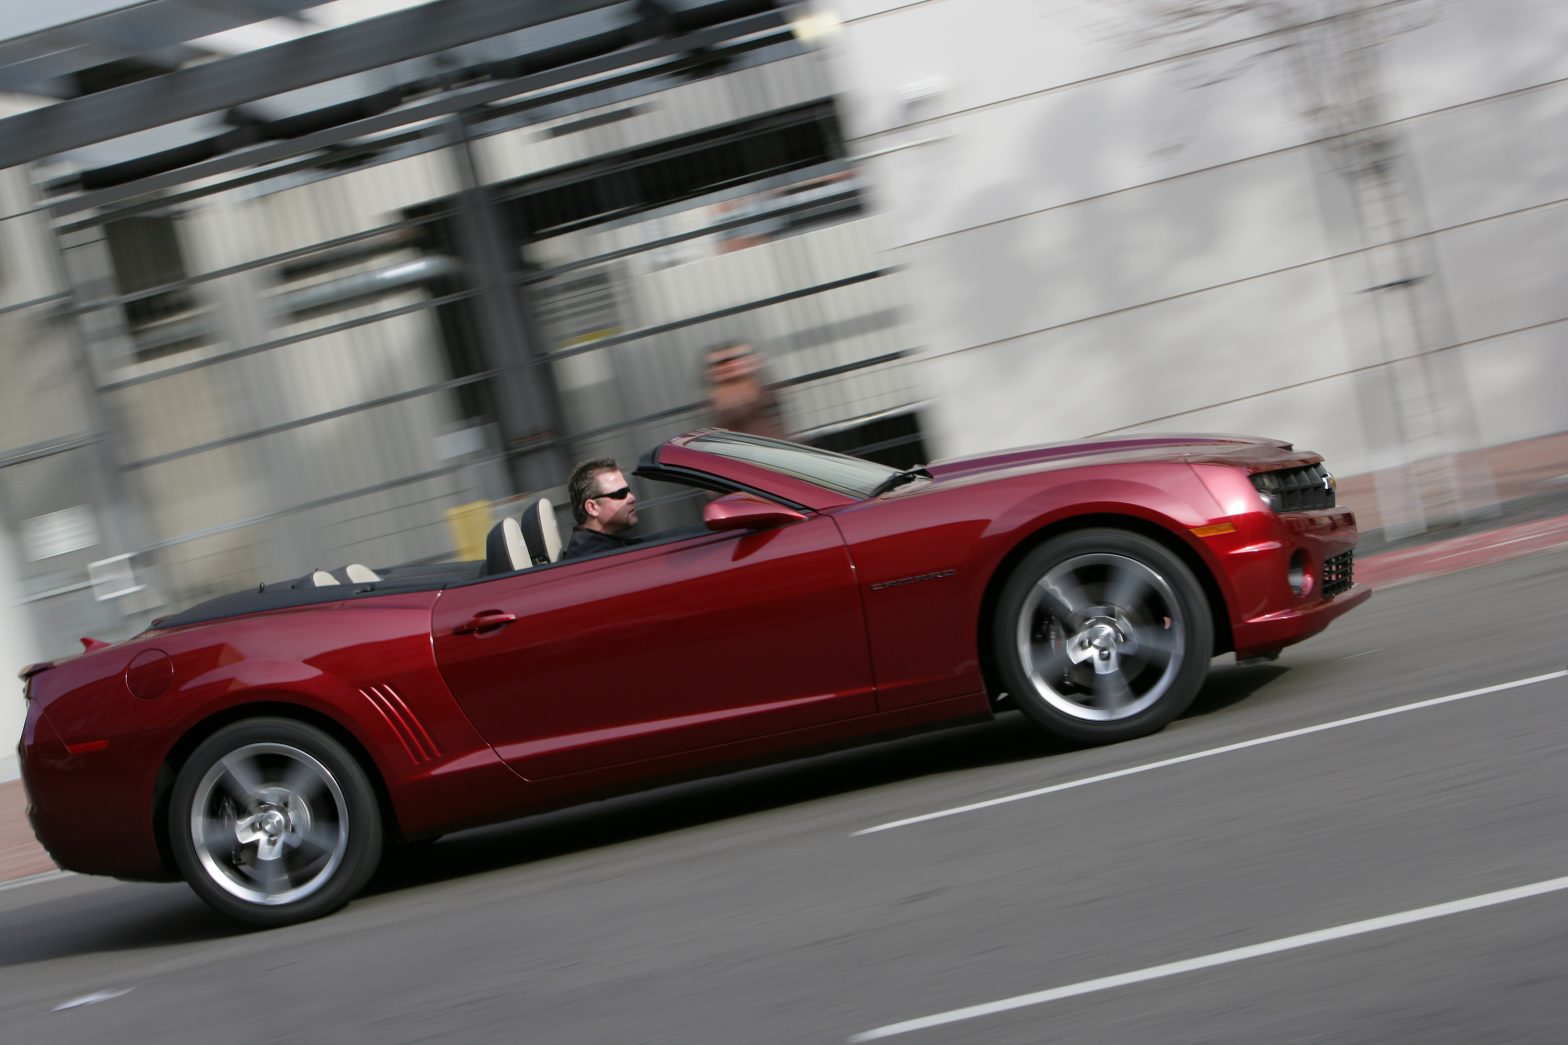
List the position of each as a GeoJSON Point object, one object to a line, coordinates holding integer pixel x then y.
{"type": "Point", "coordinates": [724, 346]}
{"type": "Point", "coordinates": [583, 485]}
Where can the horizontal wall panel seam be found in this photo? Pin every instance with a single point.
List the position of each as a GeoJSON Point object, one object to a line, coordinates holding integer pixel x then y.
{"type": "Point", "coordinates": [38, 451]}
{"type": "Point", "coordinates": [1352, 372]}
{"type": "Point", "coordinates": [284, 342]}
{"type": "Point", "coordinates": [720, 313]}
{"type": "Point", "coordinates": [895, 9]}
{"type": "Point", "coordinates": [1208, 170]}
{"type": "Point", "coordinates": [48, 299]}
{"type": "Point", "coordinates": [1156, 63]}
{"type": "Point", "coordinates": [1244, 279]}
{"type": "Point", "coordinates": [667, 241]}
{"type": "Point", "coordinates": [304, 422]}
{"type": "Point", "coordinates": [95, 304]}
{"type": "Point", "coordinates": [702, 405]}
{"type": "Point", "coordinates": [322, 502]}
{"type": "Point", "coordinates": [1153, 63]}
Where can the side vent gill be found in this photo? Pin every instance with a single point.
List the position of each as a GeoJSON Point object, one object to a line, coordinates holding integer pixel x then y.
{"type": "Point", "coordinates": [416, 740]}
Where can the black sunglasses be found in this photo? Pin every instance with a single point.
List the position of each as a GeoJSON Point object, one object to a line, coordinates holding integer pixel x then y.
{"type": "Point", "coordinates": [615, 495]}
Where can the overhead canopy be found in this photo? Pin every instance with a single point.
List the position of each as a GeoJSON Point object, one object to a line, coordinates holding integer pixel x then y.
{"type": "Point", "coordinates": [47, 43]}
{"type": "Point", "coordinates": [338, 76]}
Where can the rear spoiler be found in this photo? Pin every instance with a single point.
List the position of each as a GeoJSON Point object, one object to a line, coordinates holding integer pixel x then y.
{"type": "Point", "coordinates": [89, 645]}
{"type": "Point", "coordinates": [33, 669]}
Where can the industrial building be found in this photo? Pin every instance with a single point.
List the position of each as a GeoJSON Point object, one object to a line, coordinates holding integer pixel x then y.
{"type": "Point", "coordinates": [288, 284]}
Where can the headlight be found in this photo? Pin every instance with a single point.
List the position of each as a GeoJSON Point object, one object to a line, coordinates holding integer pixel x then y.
{"type": "Point", "coordinates": [1300, 489]}
{"type": "Point", "coordinates": [1268, 486]}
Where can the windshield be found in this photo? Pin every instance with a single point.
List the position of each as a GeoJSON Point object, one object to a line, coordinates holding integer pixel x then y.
{"type": "Point", "coordinates": [831, 471]}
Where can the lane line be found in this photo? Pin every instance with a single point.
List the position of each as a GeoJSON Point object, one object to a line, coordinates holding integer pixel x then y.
{"type": "Point", "coordinates": [1209, 753]}
{"type": "Point", "coordinates": [95, 998]}
{"type": "Point", "coordinates": [35, 879]}
{"type": "Point", "coordinates": [1208, 961]}
{"type": "Point", "coordinates": [1474, 549]}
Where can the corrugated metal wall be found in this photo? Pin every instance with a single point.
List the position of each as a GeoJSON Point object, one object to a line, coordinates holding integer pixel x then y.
{"type": "Point", "coordinates": [311, 364]}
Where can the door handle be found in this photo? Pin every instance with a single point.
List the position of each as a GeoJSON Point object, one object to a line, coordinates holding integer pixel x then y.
{"type": "Point", "coordinates": [485, 621]}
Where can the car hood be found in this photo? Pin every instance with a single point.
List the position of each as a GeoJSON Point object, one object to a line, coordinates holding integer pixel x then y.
{"type": "Point", "coordinates": [1234, 449]}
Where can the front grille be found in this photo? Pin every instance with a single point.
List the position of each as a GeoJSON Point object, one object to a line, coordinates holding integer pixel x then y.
{"type": "Point", "coordinates": [1338, 573]}
{"type": "Point", "coordinates": [1296, 489]}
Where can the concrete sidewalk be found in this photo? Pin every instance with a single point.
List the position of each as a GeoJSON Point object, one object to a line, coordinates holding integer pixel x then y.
{"type": "Point", "coordinates": [20, 853]}
{"type": "Point", "coordinates": [1526, 479]}
{"type": "Point", "coordinates": [1531, 480]}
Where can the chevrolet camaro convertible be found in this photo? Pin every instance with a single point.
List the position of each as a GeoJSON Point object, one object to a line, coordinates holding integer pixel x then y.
{"type": "Point", "coordinates": [267, 746]}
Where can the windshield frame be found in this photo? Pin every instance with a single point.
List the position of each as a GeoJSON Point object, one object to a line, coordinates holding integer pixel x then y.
{"type": "Point", "coordinates": [839, 473]}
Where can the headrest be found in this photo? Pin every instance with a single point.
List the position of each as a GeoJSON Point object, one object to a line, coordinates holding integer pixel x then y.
{"type": "Point", "coordinates": [321, 578]}
{"type": "Point", "coordinates": [359, 573]}
{"type": "Point", "coordinates": [504, 549]}
{"type": "Point", "coordinates": [540, 532]}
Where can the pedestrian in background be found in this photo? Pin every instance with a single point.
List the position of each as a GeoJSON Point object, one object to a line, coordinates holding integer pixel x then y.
{"type": "Point", "coordinates": [738, 393]}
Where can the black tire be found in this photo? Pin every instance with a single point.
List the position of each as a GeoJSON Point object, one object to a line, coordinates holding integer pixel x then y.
{"type": "Point", "coordinates": [1102, 635]}
{"type": "Point", "coordinates": [273, 822]}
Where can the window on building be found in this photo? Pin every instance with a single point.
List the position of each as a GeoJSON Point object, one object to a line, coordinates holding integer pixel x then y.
{"type": "Point", "coordinates": [145, 252]}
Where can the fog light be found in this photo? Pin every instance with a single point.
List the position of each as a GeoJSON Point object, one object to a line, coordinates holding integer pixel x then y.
{"type": "Point", "coordinates": [1300, 575]}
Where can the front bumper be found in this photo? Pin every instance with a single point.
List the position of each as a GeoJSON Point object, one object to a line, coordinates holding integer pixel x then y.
{"type": "Point", "coordinates": [1273, 631]}
{"type": "Point", "coordinates": [1287, 575]}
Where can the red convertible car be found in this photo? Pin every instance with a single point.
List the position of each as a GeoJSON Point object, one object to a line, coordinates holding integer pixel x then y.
{"type": "Point", "coordinates": [267, 746]}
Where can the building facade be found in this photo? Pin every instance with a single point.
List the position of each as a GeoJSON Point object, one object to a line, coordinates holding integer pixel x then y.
{"type": "Point", "coordinates": [1340, 222]}
{"type": "Point", "coordinates": [271, 330]}
{"type": "Point", "coordinates": [243, 370]}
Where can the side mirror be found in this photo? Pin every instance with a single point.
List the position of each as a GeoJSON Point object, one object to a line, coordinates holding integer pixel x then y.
{"type": "Point", "coordinates": [744, 511]}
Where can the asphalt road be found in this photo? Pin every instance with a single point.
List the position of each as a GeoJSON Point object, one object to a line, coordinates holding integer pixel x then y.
{"type": "Point", "coordinates": [1241, 896]}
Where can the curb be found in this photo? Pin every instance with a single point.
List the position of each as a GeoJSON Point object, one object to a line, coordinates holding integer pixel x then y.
{"type": "Point", "coordinates": [22, 860]}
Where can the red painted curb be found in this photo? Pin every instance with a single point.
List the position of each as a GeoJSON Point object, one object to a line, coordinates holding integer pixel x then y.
{"type": "Point", "coordinates": [1460, 553]}
{"type": "Point", "coordinates": [22, 857]}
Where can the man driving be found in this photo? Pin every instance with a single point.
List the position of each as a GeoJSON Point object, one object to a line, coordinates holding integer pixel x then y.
{"type": "Point", "coordinates": [603, 507]}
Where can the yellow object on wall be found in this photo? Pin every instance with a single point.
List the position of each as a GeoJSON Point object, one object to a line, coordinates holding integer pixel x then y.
{"type": "Point", "coordinates": [470, 523]}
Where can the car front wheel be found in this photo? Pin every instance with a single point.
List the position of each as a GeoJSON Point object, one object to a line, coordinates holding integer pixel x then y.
{"type": "Point", "coordinates": [273, 822]}
{"type": "Point", "coordinates": [1102, 635]}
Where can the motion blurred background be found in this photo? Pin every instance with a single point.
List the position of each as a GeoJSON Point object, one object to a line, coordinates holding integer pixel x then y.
{"type": "Point", "coordinates": [288, 284]}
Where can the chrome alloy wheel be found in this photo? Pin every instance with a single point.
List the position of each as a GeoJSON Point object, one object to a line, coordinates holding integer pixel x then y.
{"type": "Point", "coordinates": [1100, 636]}
{"type": "Point", "coordinates": [269, 823]}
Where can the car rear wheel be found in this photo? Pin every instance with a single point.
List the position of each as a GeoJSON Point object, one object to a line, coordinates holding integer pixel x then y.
{"type": "Point", "coordinates": [273, 822]}
{"type": "Point", "coordinates": [1102, 635]}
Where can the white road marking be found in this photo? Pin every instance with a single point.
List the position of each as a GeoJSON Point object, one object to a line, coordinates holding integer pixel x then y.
{"type": "Point", "coordinates": [91, 999]}
{"type": "Point", "coordinates": [36, 879]}
{"type": "Point", "coordinates": [1207, 961]}
{"type": "Point", "coordinates": [1495, 544]}
{"type": "Point", "coordinates": [1363, 653]}
{"type": "Point", "coordinates": [1210, 753]}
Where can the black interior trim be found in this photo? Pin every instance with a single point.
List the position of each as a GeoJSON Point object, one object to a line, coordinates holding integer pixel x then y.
{"type": "Point", "coordinates": [704, 481]}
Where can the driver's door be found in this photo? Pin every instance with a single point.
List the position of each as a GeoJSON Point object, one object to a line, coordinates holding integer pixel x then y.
{"type": "Point", "coordinates": [659, 650]}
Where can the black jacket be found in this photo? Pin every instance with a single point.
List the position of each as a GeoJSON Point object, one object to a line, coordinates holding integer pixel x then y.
{"type": "Point", "coordinates": [592, 542]}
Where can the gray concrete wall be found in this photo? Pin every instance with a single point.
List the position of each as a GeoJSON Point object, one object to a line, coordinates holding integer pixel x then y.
{"type": "Point", "coordinates": [17, 647]}
{"type": "Point", "coordinates": [1109, 227]}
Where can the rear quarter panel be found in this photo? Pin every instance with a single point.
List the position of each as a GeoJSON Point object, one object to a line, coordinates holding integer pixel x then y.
{"type": "Point", "coordinates": [364, 669]}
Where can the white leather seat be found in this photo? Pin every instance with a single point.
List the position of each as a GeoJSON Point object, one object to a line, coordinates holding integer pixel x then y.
{"type": "Point", "coordinates": [541, 534]}
{"type": "Point", "coordinates": [505, 551]}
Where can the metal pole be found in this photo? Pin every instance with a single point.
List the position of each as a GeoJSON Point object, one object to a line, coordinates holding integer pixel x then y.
{"type": "Point", "coordinates": [527, 400]}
